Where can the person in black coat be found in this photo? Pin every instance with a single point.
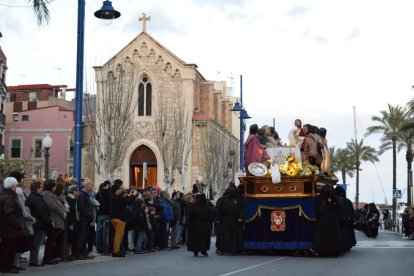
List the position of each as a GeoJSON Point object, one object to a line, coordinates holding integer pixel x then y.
{"type": "Point", "coordinates": [327, 239]}
{"type": "Point", "coordinates": [346, 219]}
{"type": "Point", "coordinates": [44, 223]}
{"type": "Point", "coordinates": [141, 225]}
{"type": "Point", "coordinates": [229, 221]}
{"type": "Point", "coordinates": [103, 215]}
{"type": "Point", "coordinates": [372, 221]}
{"type": "Point", "coordinates": [118, 202]}
{"type": "Point", "coordinates": [199, 226]}
{"type": "Point", "coordinates": [86, 216]}
{"type": "Point", "coordinates": [12, 225]}
{"type": "Point", "coordinates": [73, 217]}
{"type": "Point", "coordinates": [406, 223]}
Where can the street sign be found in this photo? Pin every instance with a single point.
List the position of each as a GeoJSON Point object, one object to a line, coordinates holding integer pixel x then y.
{"type": "Point", "coordinates": [396, 193]}
{"type": "Point", "coordinates": [86, 135]}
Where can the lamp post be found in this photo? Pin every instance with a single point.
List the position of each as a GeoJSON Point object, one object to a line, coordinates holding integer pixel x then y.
{"type": "Point", "coordinates": [47, 143]}
{"type": "Point", "coordinates": [242, 113]}
{"type": "Point", "coordinates": [106, 12]}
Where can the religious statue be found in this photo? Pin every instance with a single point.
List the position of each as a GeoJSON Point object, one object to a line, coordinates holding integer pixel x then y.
{"type": "Point", "coordinates": [254, 151]}
{"type": "Point", "coordinates": [296, 135]}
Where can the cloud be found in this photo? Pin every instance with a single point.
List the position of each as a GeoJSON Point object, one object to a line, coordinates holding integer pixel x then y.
{"type": "Point", "coordinates": [221, 4]}
{"type": "Point", "coordinates": [320, 39]}
{"type": "Point", "coordinates": [355, 32]}
{"type": "Point", "coordinates": [165, 23]}
{"type": "Point", "coordinates": [298, 12]}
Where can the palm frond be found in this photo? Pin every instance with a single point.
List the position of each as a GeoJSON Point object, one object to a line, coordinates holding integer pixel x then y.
{"type": "Point", "coordinates": [41, 11]}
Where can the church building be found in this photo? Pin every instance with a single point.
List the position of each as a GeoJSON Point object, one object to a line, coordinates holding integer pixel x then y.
{"type": "Point", "coordinates": [170, 98]}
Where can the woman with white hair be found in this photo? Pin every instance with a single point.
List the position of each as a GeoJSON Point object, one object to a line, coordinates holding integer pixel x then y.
{"type": "Point", "coordinates": [12, 225]}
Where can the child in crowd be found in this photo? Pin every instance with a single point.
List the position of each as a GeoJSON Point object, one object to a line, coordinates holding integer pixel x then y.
{"type": "Point", "coordinates": [141, 226]}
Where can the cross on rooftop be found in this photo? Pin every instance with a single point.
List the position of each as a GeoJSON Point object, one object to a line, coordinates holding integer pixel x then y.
{"type": "Point", "coordinates": [144, 18]}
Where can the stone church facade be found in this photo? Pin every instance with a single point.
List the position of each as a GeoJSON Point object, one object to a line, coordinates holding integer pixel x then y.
{"type": "Point", "coordinates": [161, 74]}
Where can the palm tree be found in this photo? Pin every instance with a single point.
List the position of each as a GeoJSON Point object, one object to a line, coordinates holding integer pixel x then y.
{"type": "Point", "coordinates": [389, 125]}
{"type": "Point", "coordinates": [41, 11]}
{"type": "Point", "coordinates": [342, 162]}
{"type": "Point", "coordinates": [358, 152]}
{"type": "Point", "coordinates": [406, 141]}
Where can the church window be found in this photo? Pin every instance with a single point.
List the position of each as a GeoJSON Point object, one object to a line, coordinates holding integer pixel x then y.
{"type": "Point", "coordinates": [144, 97]}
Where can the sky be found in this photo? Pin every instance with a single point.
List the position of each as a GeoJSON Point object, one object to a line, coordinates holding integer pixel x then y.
{"type": "Point", "coordinates": [313, 60]}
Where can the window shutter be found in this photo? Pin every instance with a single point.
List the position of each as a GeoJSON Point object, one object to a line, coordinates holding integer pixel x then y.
{"type": "Point", "coordinates": [16, 143]}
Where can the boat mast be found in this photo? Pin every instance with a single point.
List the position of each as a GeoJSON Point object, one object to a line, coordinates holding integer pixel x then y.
{"type": "Point", "coordinates": [355, 130]}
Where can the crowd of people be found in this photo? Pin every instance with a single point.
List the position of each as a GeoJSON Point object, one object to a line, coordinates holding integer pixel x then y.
{"type": "Point", "coordinates": [134, 221]}
{"type": "Point", "coordinates": [368, 220]}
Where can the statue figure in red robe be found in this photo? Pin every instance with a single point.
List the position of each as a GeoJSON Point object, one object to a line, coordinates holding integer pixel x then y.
{"type": "Point", "coordinates": [253, 150]}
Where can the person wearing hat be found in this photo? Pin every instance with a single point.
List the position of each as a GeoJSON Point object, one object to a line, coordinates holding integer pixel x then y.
{"type": "Point", "coordinates": [12, 225]}
{"type": "Point", "coordinates": [199, 226]}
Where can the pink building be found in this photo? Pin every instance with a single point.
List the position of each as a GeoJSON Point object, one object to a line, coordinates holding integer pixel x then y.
{"type": "Point", "coordinates": [24, 136]}
{"type": "Point", "coordinates": [3, 68]}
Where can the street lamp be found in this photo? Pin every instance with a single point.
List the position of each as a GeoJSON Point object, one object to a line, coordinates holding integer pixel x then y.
{"type": "Point", "coordinates": [47, 143]}
{"type": "Point", "coordinates": [242, 113]}
{"type": "Point", "coordinates": [106, 12]}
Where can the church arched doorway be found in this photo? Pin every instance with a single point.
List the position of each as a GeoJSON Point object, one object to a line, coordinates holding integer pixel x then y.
{"type": "Point", "coordinates": [141, 155]}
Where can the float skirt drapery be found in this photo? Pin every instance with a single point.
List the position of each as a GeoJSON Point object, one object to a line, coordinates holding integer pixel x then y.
{"type": "Point", "coordinates": [299, 223]}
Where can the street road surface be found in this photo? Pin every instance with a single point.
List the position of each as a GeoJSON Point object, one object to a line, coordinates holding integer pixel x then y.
{"type": "Point", "coordinates": [388, 254]}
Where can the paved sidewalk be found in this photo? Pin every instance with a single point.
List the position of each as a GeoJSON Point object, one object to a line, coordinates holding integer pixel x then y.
{"type": "Point", "coordinates": [97, 259]}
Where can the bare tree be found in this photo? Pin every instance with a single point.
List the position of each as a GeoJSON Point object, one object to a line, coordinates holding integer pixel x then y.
{"type": "Point", "coordinates": [173, 134]}
{"type": "Point", "coordinates": [112, 122]}
{"type": "Point", "coordinates": [217, 148]}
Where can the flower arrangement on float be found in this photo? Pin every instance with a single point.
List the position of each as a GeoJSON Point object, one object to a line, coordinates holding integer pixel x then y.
{"type": "Point", "coordinates": [294, 168]}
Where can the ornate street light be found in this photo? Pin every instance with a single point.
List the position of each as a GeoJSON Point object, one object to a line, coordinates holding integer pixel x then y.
{"type": "Point", "coordinates": [106, 12]}
{"type": "Point", "coordinates": [242, 114]}
{"type": "Point", "coordinates": [47, 144]}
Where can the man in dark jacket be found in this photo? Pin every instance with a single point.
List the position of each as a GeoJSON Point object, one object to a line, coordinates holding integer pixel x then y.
{"type": "Point", "coordinates": [103, 215]}
{"type": "Point", "coordinates": [12, 225]}
{"type": "Point", "coordinates": [180, 223]}
{"type": "Point", "coordinates": [117, 211]}
{"type": "Point", "coordinates": [85, 218]}
{"type": "Point", "coordinates": [73, 217]}
{"type": "Point", "coordinates": [43, 225]}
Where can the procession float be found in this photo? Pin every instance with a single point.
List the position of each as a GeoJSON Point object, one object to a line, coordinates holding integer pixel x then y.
{"type": "Point", "coordinates": [279, 202]}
